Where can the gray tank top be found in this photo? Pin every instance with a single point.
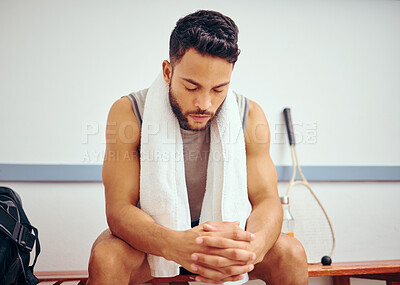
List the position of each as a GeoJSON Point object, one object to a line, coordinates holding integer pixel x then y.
{"type": "Point", "coordinates": [196, 149]}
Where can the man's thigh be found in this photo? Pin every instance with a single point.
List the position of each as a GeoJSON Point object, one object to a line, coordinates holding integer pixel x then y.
{"type": "Point", "coordinates": [112, 256]}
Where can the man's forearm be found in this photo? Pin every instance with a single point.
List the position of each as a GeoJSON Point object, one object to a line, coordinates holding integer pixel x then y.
{"type": "Point", "coordinates": [139, 230]}
{"type": "Point", "coordinates": [265, 221]}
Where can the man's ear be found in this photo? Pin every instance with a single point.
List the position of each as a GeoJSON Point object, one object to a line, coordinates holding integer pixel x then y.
{"type": "Point", "coordinates": [167, 71]}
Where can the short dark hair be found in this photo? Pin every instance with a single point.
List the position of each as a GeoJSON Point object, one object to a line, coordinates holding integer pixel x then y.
{"type": "Point", "coordinates": [208, 32]}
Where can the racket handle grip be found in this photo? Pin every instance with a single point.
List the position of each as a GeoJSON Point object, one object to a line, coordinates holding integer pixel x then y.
{"type": "Point", "coordinates": [289, 126]}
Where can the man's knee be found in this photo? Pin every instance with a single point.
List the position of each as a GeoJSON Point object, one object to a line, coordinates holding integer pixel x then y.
{"type": "Point", "coordinates": [292, 259]}
{"type": "Point", "coordinates": [104, 256]}
{"type": "Point", "coordinates": [285, 263]}
{"type": "Point", "coordinates": [292, 251]}
{"type": "Point", "coordinates": [111, 256]}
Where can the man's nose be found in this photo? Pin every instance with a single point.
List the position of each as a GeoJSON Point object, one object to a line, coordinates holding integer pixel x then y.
{"type": "Point", "coordinates": [203, 101]}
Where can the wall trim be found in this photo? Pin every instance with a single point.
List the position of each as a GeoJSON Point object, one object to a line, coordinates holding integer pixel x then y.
{"type": "Point", "coordinates": [92, 173]}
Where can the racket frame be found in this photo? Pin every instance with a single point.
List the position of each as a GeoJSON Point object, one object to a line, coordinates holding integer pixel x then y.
{"type": "Point", "coordinates": [303, 181]}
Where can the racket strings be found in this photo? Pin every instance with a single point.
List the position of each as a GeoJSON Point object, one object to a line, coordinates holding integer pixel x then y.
{"type": "Point", "coordinates": [313, 226]}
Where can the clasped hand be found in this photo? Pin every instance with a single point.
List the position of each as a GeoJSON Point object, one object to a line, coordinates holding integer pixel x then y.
{"type": "Point", "coordinates": [222, 252]}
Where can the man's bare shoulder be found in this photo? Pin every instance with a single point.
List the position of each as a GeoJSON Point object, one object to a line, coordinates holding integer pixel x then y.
{"type": "Point", "coordinates": [257, 128]}
{"type": "Point", "coordinates": [122, 125]}
{"type": "Point", "coordinates": [122, 107]}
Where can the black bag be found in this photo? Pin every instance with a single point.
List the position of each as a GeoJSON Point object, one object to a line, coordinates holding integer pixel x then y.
{"type": "Point", "coordinates": [16, 241]}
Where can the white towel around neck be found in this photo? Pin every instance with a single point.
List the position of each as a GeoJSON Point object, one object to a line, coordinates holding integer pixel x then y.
{"type": "Point", "coordinates": [163, 192]}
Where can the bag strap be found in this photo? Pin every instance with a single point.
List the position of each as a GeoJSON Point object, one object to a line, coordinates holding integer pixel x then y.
{"type": "Point", "coordinates": [37, 248]}
{"type": "Point", "coordinates": [16, 231]}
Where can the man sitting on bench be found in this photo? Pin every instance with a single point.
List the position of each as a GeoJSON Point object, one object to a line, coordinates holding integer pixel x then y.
{"type": "Point", "coordinates": [189, 181]}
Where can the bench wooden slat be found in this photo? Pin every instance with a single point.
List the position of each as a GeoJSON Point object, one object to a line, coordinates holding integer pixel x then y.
{"type": "Point", "coordinates": [354, 268]}
{"type": "Point", "coordinates": [62, 276]}
{"type": "Point", "coordinates": [341, 272]}
{"type": "Point", "coordinates": [386, 276]}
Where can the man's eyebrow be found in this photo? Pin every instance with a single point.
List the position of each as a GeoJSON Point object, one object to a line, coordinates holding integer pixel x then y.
{"type": "Point", "coordinates": [198, 84]}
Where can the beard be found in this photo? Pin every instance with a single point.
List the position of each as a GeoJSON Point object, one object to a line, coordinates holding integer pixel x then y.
{"type": "Point", "coordinates": [183, 117]}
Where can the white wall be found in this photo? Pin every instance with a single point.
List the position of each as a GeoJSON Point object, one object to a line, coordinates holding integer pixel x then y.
{"type": "Point", "coordinates": [336, 63]}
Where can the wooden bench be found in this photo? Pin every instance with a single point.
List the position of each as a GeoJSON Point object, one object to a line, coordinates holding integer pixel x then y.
{"type": "Point", "coordinates": [341, 272]}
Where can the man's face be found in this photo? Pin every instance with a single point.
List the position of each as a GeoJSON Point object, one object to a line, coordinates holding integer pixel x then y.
{"type": "Point", "coordinates": [198, 86]}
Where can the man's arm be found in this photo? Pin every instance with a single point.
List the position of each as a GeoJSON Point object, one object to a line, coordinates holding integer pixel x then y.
{"type": "Point", "coordinates": [121, 178]}
{"type": "Point", "coordinates": [121, 181]}
{"type": "Point", "coordinates": [265, 220]}
{"type": "Point", "coordinates": [226, 252]}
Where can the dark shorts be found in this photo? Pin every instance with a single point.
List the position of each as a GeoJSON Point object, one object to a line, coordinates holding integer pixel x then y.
{"type": "Point", "coordinates": [183, 271]}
